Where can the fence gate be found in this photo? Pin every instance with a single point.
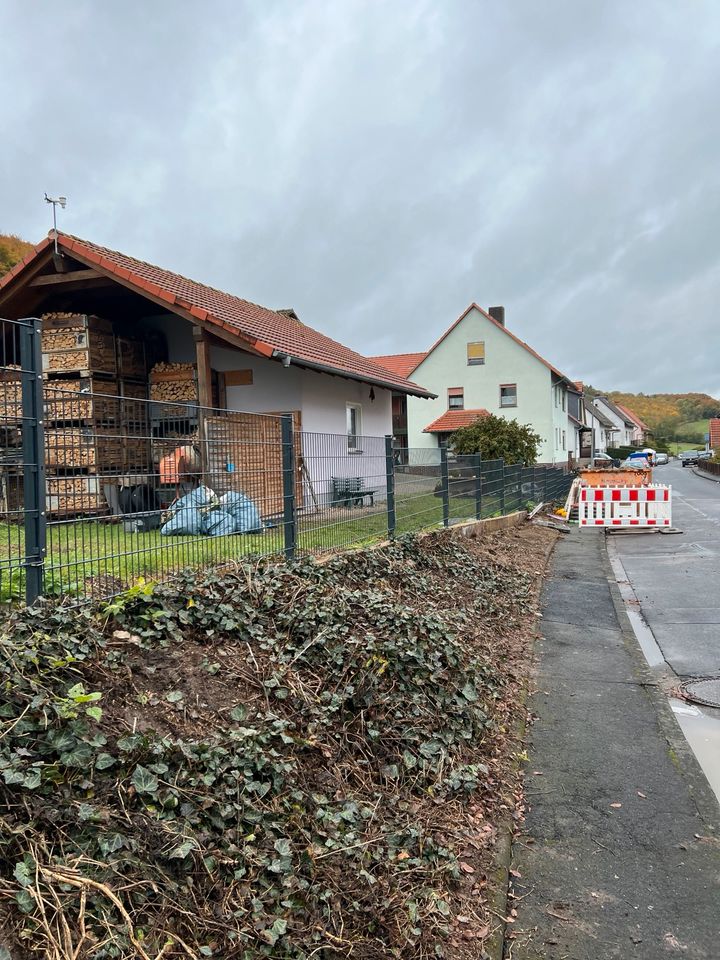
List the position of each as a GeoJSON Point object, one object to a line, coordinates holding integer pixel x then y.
{"type": "Point", "coordinates": [649, 506]}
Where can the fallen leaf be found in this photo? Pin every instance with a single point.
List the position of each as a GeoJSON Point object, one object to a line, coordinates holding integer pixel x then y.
{"type": "Point", "coordinates": [641, 794]}
{"type": "Point", "coordinates": [466, 868]}
{"type": "Point", "coordinates": [403, 855]}
{"type": "Point", "coordinates": [515, 873]}
{"type": "Point", "coordinates": [615, 806]}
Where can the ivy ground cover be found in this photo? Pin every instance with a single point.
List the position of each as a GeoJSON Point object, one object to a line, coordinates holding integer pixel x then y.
{"type": "Point", "coordinates": [291, 761]}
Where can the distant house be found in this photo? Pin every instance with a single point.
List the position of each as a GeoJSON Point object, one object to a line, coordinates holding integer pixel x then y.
{"type": "Point", "coordinates": [715, 434]}
{"type": "Point", "coordinates": [603, 432]}
{"type": "Point", "coordinates": [478, 366]}
{"type": "Point", "coordinates": [641, 431]}
{"type": "Point", "coordinates": [625, 424]}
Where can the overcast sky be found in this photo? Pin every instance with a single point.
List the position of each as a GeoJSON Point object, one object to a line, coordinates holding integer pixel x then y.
{"type": "Point", "coordinates": [380, 165]}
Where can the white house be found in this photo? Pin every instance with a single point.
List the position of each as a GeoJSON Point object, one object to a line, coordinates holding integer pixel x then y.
{"type": "Point", "coordinates": [603, 432]}
{"type": "Point", "coordinates": [622, 421]}
{"type": "Point", "coordinates": [478, 366]}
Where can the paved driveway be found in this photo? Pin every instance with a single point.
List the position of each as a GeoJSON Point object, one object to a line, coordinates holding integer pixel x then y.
{"type": "Point", "coordinates": [677, 578]}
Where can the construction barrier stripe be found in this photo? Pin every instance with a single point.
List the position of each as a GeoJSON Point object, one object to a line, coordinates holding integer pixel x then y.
{"type": "Point", "coordinates": [626, 522]}
{"type": "Point", "coordinates": [625, 494]}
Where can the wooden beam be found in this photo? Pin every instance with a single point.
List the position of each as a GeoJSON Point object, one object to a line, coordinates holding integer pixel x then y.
{"type": "Point", "coordinates": [55, 279]}
{"type": "Point", "coordinates": [202, 355]}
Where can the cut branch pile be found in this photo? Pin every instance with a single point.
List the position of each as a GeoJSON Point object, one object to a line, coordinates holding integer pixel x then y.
{"type": "Point", "coordinates": [301, 761]}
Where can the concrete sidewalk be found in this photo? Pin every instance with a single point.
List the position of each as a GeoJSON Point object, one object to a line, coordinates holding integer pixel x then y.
{"type": "Point", "coordinates": [622, 857]}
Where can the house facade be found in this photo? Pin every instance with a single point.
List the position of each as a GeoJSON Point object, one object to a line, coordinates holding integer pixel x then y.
{"type": "Point", "coordinates": [478, 366]}
{"type": "Point", "coordinates": [602, 431]}
{"type": "Point", "coordinates": [246, 358]}
{"type": "Point", "coordinates": [624, 424]}
{"type": "Point", "coordinates": [640, 431]}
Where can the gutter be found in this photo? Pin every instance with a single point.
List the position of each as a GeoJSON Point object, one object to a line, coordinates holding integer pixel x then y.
{"type": "Point", "coordinates": [349, 375]}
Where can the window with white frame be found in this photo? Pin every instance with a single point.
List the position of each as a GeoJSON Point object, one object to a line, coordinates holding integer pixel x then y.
{"type": "Point", "coordinates": [354, 426]}
{"type": "Point", "coordinates": [564, 441]}
{"type": "Point", "coordinates": [508, 394]}
{"type": "Point", "coordinates": [563, 396]}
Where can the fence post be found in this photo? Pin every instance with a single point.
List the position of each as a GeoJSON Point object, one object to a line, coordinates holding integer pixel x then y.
{"type": "Point", "coordinates": [390, 483]}
{"type": "Point", "coordinates": [33, 452]}
{"type": "Point", "coordinates": [502, 489]}
{"type": "Point", "coordinates": [288, 471]}
{"type": "Point", "coordinates": [478, 486]}
{"type": "Point", "coordinates": [445, 486]}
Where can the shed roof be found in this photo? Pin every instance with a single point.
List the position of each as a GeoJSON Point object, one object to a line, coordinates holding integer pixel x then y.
{"type": "Point", "coordinates": [633, 416]}
{"type": "Point", "coordinates": [269, 333]}
{"type": "Point", "coordinates": [454, 419]}
{"type": "Point", "coordinates": [402, 364]}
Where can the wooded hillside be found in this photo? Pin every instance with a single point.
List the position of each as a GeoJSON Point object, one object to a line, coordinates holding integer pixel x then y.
{"type": "Point", "coordinates": [12, 249]}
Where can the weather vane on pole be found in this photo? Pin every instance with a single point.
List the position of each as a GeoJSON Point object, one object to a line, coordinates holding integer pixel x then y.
{"type": "Point", "coordinates": [55, 201]}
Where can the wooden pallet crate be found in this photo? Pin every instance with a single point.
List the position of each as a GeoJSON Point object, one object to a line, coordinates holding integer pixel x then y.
{"type": "Point", "coordinates": [70, 351]}
{"type": "Point", "coordinates": [75, 321]}
{"type": "Point", "coordinates": [138, 453]}
{"type": "Point", "coordinates": [131, 359]}
{"type": "Point", "coordinates": [174, 390]}
{"type": "Point", "coordinates": [82, 398]}
{"type": "Point", "coordinates": [70, 496]}
{"type": "Point", "coordinates": [10, 396]}
{"type": "Point", "coordinates": [134, 403]}
{"type": "Point", "coordinates": [93, 450]}
{"type": "Point", "coordinates": [243, 452]}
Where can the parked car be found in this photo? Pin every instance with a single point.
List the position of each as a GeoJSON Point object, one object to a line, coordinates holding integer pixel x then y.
{"type": "Point", "coordinates": [706, 454]}
{"type": "Point", "coordinates": [689, 457]}
{"type": "Point", "coordinates": [661, 458]}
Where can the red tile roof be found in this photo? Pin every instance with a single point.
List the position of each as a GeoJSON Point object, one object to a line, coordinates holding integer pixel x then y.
{"type": "Point", "coordinates": [263, 331]}
{"type": "Point", "coordinates": [715, 433]}
{"type": "Point", "coordinates": [402, 364]}
{"type": "Point", "coordinates": [454, 419]}
{"type": "Point", "coordinates": [633, 416]}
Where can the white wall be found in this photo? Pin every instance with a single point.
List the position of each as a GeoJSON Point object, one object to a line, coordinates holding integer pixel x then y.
{"type": "Point", "coordinates": [506, 361]}
{"type": "Point", "coordinates": [320, 398]}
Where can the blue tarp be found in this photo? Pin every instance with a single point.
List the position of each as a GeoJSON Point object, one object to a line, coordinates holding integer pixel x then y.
{"type": "Point", "coordinates": [236, 514]}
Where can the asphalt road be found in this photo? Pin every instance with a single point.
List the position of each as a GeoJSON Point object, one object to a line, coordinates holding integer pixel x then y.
{"type": "Point", "coordinates": [676, 578]}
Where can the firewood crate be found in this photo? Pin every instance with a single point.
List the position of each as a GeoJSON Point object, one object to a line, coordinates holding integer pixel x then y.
{"type": "Point", "coordinates": [75, 321]}
{"type": "Point", "coordinates": [131, 359]}
{"type": "Point", "coordinates": [10, 397]}
{"type": "Point", "coordinates": [70, 496]}
{"type": "Point", "coordinates": [81, 399]}
{"type": "Point", "coordinates": [72, 351]}
{"type": "Point", "coordinates": [99, 450]}
{"type": "Point", "coordinates": [134, 403]}
{"type": "Point", "coordinates": [174, 391]}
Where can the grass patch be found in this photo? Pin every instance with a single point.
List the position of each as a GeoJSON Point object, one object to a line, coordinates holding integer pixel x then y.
{"type": "Point", "coordinates": [99, 557]}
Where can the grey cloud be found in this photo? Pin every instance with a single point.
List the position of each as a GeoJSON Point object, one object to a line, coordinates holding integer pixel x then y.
{"type": "Point", "coordinates": [378, 166]}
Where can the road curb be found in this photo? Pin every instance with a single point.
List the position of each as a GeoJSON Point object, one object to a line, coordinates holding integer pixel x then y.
{"type": "Point", "coordinates": [494, 946]}
{"type": "Point", "coordinates": [704, 476]}
{"type": "Point", "coordinates": [681, 751]}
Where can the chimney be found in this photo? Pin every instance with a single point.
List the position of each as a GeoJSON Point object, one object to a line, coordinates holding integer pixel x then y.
{"type": "Point", "coordinates": [498, 313]}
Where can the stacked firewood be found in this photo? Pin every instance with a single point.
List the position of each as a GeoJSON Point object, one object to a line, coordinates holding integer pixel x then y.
{"type": "Point", "coordinates": [174, 383]}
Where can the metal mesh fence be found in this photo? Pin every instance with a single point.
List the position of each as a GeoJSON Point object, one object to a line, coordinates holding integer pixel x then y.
{"type": "Point", "coordinates": [102, 488]}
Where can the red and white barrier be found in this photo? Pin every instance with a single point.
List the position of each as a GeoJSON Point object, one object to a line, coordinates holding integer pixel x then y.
{"type": "Point", "coordinates": [649, 506]}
